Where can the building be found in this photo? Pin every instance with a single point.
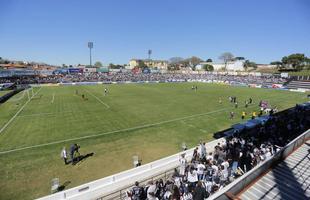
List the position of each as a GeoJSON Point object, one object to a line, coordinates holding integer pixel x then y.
{"type": "Point", "coordinates": [235, 65]}
{"type": "Point", "coordinates": [155, 64]}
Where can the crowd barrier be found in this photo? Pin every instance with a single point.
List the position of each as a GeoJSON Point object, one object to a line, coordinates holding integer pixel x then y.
{"type": "Point", "coordinates": [7, 96]}
{"type": "Point", "coordinates": [238, 185]}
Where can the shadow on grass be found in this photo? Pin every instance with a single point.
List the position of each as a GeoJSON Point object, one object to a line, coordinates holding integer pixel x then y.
{"type": "Point", "coordinates": [79, 159]}
{"type": "Point", "coordinates": [63, 186]}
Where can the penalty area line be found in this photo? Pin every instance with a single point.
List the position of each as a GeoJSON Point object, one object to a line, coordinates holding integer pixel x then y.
{"type": "Point", "coordinates": [106, 105]}
{"type": "Point", "coordinates": [17, 113]}
{"type": "Point", "coordinates": [113, 132]}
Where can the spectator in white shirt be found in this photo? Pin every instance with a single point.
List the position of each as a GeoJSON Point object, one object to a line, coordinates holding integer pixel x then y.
{"type": "Point", "coordinates": [200, 171]}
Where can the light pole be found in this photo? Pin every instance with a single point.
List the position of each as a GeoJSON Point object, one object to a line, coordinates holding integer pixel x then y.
{"type": "Point", "coordinates": [90, 46]}
{"type": "Point", "coordinates": [149, 52]}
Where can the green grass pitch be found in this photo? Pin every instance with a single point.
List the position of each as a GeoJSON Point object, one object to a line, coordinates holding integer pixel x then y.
{"type": "Point", "coordinates": [149, 120]}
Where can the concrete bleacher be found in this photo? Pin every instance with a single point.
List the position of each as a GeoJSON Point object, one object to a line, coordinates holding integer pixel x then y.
{"type": "Point", "coordinates": [290, 179]}
{"type": "Point", "coordinates": [299, 84]}
{"type": "Point", "coordinates": [284, 176]}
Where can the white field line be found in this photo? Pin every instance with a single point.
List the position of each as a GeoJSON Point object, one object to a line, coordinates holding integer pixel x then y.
{"type": "Point", "coordinates": [106, 105]}
{"type": "Point", "coordinates": [112, 132]}
{"type": "Point", "coordinates": [42, 114]}
{"type": "Point", "coordinates": [193, 126]}
{"type": "Point", "coordinates": [21, 109]}
{"type": "Point", "coordinates": [53, 98]}
{"type": "Point", "coordinates": [116, 131]}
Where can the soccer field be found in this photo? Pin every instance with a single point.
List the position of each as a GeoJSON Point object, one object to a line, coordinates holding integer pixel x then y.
{"type": "Point", "coordinates": [149, 120]}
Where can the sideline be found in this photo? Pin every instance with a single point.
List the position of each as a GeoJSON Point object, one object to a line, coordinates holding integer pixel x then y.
{"type": "Point", "coordinates": [106, 105]}
{"type": "Point", "coordinates": [21, 109]}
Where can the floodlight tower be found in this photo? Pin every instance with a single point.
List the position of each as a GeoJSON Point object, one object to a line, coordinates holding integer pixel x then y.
{"type": "Point", "coordinates": [149, 52]}
{"type": "Point", "coordinates": [90, 46]}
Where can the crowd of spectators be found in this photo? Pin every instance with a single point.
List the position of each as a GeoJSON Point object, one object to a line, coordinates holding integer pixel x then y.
{"type": "Point", "coordinates": [137, 77]}
{"type": "Point", "coordinates": [208, 172]}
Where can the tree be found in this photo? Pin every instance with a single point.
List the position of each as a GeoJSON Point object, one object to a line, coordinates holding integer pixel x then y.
{"type": "Point", "coordinates": [208, 67]}
{"type": "Point", "coordinates": [195, 61]}
{"type": "Point", "coordinates": [64, 66]}
{"type": "Point", "coordinates": [248, 64]}
{"type": "Point", "coordinates": [112, 66]}
{"type": "Point", "coordinates": [226, 57]}
{"type": "Point", "coordinates": [278, 64]}
{"type": "Point", "coordinates": [239, 58]}
{"type": "Point", "coordinates": [297, 61]}
{"type": "Point", "coordinates": [141, 64]}
{"type": "Point", "coordinates": [209, 60]}
{"type": "Point", "coordinates": [98, 64]}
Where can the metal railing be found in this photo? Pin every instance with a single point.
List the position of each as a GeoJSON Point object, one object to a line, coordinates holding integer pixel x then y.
{"type": "Point", "coordinates": [121, 194]}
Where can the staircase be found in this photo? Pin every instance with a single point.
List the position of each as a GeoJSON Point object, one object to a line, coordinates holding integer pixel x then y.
{"type": "Point", "coordinates": [288, 180]}
{"type": "Point", "coordinates": [298, 84]}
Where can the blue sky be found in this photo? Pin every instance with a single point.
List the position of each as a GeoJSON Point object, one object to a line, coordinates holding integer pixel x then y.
{"type": "Point", "coordinates": [57, 31]}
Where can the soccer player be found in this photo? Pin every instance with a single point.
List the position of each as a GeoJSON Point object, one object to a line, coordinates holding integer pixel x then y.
{"type": "Point", "coordinates": [250, 100]}
{"type": "Point", "coordinates": [105, 91]}
{"type": "Point", "coordinates": [246, 104]}
{"type": "Point", "coordinates": [232, 115]}
{"type": "Point", "coordinates": [253, 115]}
{"type": "Point", "coordinates": [236, 104]}
{"type": "Point", "coordinates": [243, 115]}
{"type": "Point", "coordinates": [64, 155]}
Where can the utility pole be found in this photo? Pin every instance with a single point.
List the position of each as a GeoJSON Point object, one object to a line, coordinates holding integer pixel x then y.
{"type": "Point", "coordinates": [90, 46]}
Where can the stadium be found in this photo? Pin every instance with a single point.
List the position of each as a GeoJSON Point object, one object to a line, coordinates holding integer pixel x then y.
{"type": "Point", "coordinates": [210, 126]}
{"type": "Point", "coordinates": [145, 119]}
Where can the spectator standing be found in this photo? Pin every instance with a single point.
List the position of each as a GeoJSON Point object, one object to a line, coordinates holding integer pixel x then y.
{"type": "Point", "coordinates": [200, 193]}
{"type": "Point", "coordinates": [151, 191]}
{"type": "Point", "coordinates": [182, 165]}
{"type": "Point", "coordinates": [137, 192]}
{"type": "Point", "coordinates": [200, 171]}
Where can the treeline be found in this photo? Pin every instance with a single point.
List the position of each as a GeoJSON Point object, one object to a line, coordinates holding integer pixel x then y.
{"type": "Point", "coordinates": [293, 62]}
